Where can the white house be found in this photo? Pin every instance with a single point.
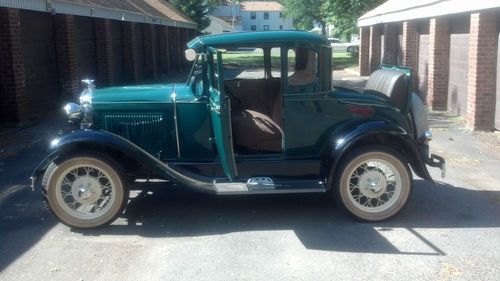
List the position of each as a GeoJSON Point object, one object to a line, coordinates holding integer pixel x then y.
{"type": "Point", "coordinates": [254, 16]}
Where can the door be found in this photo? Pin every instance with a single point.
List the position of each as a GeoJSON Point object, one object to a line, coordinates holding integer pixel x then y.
{"type": "Point", "coordinates": [220, 112]}
{"type": "Point", "coordinates": [458, 75]}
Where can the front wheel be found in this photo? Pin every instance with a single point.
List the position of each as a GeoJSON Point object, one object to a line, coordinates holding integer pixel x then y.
{"type": "Point", "coordinates": [373, 184]}
{"type": "Point", "coordinates": [85, 191]}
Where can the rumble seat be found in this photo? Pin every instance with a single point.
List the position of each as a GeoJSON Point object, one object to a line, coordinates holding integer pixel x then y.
{"type": "Point", "coordinates": [389, 84]}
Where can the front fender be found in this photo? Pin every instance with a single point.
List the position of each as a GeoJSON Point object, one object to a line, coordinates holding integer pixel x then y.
{"type": "Point", "coordinates": [362, 132]}
{"type": "Point", "coordinates": [101, 140]}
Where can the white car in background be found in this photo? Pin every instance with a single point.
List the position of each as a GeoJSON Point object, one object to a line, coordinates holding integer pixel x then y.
{"type": "Point", "coordinates": [339, 46]}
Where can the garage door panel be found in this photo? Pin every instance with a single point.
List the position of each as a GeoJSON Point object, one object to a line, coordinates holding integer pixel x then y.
{"type": "Point", "coordinates": [458, 73]}
{"type": "Point", "coordinates": [117, 42]}
{"type": "Point", "coordinates": [40, 65]}
{"type": "Point", "coordinates": [85, 48]}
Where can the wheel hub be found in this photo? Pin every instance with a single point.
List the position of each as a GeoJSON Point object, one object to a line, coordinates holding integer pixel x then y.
{"type": "Point", "coordinates": [86, 190]}
{"type": "Point", "coordinates": [372, 184]}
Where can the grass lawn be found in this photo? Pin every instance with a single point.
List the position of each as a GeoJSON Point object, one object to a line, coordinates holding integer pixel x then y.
{"type": "Point", "coordinates": [344, 60]}
{"type": "Point", "coordinates": [255, 60]}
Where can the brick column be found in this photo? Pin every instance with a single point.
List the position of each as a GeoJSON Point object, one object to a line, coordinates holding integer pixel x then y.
{"type": "Point", "coordinates": [150, 51]}
{"type": "Point", "coordinates": [130, 52]}
{"type": "Point", "coordinates": [482, 71]}
{"type": "Point", "coordinates": [375, 33]}
{"type": "Point", "coordinates": [364, 51]}
{"type": "Point", "coordinates": [439, 48]}
{"type": "Point", "coordinates": [390, 44]}
{"type": "Point", "coordinates": [104, 49]}
{"type": "Point", "coordinates": [13, 101]}
{"type": "Point", "coordinates": [410, 49]}
{"type": "Point", "coordinates": [64, 32]}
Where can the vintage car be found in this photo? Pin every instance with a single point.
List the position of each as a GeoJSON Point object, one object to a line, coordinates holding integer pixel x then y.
{"type": "Point", "coordinates": [257, 115]}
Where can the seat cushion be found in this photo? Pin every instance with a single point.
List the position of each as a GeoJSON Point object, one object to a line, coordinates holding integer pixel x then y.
{"type": "Point", "coordinates": [256, 131]}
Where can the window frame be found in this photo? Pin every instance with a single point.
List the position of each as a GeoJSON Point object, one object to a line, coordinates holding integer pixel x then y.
{"type": "Point", "coordinates": [253, 15]}
{"type": "Point", "coordinates": [266, 15]}
{"type": "Point", "coordinates": [253, 28]}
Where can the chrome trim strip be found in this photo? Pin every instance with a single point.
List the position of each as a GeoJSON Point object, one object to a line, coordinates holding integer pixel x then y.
{"type": "Point", "coordinates": [176, 124]}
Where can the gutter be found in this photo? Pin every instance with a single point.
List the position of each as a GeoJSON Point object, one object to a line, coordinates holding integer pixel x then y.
{"type": "Point", "coordinates": [430, 10]}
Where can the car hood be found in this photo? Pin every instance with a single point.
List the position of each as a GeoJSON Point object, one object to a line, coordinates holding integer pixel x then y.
{"type": "Point", "coordinates": [157, 93]}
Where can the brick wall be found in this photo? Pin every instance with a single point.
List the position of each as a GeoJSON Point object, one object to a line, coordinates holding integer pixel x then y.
{"type": "Point", "coordinates": [364, 51]}
{"type": "Point", "coordinates": [13, 100]}
{"type": "Point", "coordinates": [439, 46]}
{"type": "Point", "coordinates": [375, 44]}
{"type": "Point", "coordinates": [482, 70]}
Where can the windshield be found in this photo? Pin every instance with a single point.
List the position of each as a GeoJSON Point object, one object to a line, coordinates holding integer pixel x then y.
{"type": "Point", "coordinates": [196, 77]}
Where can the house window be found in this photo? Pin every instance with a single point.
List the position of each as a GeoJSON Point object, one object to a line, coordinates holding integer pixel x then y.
{"type": "Point", "coordinates": [253, 15]}
{"type": "Point", "coordinates": [281, 14]}
{"type": "Point", "coordinates": [266, 15]}
{"type": "Point", "coordinates": [281, 27]}
{"type": "Point", "coordinates": [266, 27]}
{"type": "Point", "coordinates": [253, 27]}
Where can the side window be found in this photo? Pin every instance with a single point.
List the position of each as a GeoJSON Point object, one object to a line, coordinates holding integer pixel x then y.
{"type": "Point", "coordinates": [253, 15]}
{"type": "Point", "coordinates": [253, 27]}
{"type": "Point", "coordinates": [266, 15]}
{"type": "Point", "coordinates": [302, 66]}
{"type": "Point", "coordinates": [276, 62]}
{"type": "Point", "coordinates": [243, 63]}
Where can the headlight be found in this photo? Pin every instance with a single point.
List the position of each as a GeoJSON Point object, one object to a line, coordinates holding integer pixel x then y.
{"type": "Point", "coordinates": [74, 112]}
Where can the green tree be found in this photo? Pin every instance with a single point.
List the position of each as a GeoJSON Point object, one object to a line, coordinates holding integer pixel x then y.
{"type": "Point", "coordinates": [307, 12]}
{"type": "Point", "coordinates": [344, 14]}
{"type": "Point", "coordinates": [197, 10]}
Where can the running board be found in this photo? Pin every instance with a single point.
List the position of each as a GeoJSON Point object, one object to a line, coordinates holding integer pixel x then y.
{"type": "Point", "coordinates": [264, 185]}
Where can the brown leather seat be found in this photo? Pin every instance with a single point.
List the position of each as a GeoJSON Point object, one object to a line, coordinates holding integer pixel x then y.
{"type": "Point", "coordinates": [256, 131]}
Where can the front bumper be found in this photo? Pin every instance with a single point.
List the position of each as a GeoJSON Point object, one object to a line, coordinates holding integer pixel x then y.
{"type": "Point", "coordinates": [437, 161]}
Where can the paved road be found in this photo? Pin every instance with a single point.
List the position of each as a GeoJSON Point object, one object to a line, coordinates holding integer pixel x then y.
{"type": "Point", "coordinates": [449, 231]}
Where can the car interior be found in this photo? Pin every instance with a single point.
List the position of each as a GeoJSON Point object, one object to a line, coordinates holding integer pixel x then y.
{"type": "Point", "coordinates": [252, 80]}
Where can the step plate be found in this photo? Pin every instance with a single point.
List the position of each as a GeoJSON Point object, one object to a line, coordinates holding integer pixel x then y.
{"type": "Point", "coordinates": [266, 186]}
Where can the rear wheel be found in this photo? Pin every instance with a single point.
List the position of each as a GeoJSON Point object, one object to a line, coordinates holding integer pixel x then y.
{"type": "Point", "coordinates": [85, 191]}
{"type": "Point", "coordinates": [373, 184]}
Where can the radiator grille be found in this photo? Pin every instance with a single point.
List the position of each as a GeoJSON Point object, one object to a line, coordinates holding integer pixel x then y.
{"type": "Point", "coordinates": [149, 131]}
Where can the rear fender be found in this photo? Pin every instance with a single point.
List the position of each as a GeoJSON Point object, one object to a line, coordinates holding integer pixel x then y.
{"type": "Point", "coordinates": [108, 143]}
{"type": "Point", "coordinates": [357, 134]}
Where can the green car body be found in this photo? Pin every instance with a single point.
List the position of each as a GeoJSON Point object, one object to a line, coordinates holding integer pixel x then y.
{"type": "Point", "coordinates": [182, 133]}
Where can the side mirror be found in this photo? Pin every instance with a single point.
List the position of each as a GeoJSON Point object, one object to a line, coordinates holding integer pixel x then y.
{"type": "Point", "coordinates": [190, 54]}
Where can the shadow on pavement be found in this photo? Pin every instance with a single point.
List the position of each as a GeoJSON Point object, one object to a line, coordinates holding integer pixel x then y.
{"type": "Point", "coordinates": [318, 225]}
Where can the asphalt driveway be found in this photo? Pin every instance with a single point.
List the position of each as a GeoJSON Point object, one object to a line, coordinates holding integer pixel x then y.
{"type": "Point", "coordinates": [448, 231]}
